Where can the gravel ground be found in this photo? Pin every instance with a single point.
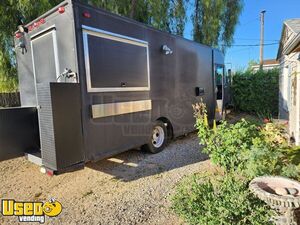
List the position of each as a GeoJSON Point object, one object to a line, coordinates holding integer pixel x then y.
{"type": "Point", "coordinates": [131, 188]}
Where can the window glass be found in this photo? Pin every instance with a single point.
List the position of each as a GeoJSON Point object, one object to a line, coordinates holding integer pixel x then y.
{"type": "Point", "coordinates": [219, 83]}
{"type": "Point", "coordinates": [117, 64]}
{"type": "Point", "coordinates": [219, 74]}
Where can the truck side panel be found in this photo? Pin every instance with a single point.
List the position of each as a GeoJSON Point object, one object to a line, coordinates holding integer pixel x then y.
{"type": "Point", "coordinates": [173, 79]}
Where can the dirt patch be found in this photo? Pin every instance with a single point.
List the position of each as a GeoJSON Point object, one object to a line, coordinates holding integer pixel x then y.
{"type": "Point", "coordinates": [131, 188]}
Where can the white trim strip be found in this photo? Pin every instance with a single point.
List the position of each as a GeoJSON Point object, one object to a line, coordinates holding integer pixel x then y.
{"type": "Point", "coordinates": [113, 36]}
{"type": "Point", "coordinates": [55, 47]}
{"type": "Point", "coordinates": [119, 108]}
{"type": "Point", "coordinates": [43, 31]}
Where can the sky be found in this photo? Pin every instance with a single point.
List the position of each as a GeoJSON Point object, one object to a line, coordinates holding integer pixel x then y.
{"type": "Point", "coordinates": [248, 30]}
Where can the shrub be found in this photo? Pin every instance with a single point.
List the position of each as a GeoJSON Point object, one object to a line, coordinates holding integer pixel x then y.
{"type": "Point", "coordinates": [219, 200]}
{"type": "Point", "coordinates": [262, 159]}
{"type": "Point", "coordinates": [8, 84]}
{"type": "Point", "coordinates": [256, 92]}
{"type": "Point", "coordinates": [294, 154]}
{"type": "Point", "coordinates": [246, 148]}
{"type": "Point", "coordinates": [230, 143]}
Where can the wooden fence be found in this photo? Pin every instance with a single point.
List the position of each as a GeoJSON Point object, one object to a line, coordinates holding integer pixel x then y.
{"type": "Point", "coordinates": [10, 99]}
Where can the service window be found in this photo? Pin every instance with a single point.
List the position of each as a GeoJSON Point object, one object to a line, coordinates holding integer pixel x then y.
{"type": "Point", "coordinates": [115, 62]}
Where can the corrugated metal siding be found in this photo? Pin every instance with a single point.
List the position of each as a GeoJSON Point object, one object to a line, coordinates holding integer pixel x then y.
{"type": "Point", "coordinates": [46, 126]}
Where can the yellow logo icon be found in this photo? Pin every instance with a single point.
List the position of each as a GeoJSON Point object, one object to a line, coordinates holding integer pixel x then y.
{"type": "Point", "coordinates": [31, 211]}
{"type": "Point", "coordinates": [52, 208]}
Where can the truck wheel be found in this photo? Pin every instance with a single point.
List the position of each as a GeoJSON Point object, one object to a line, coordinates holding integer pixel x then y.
{"type": "Point", "coordinates": [158, 139]}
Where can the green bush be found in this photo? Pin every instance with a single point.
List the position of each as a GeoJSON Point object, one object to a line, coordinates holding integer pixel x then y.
{"type": "Point", "coordinates": [256, 92]}
{"type": "Point", "coordinates": [268, 154]}
{"type": "Point", "coordinates": [219, 200]}
{"type": "Point", "coordinates": [243, 150]}
{"type": "Point", "coordinates": [262, 159]}
{"type": "Point", "coordinates": [230, 143]}
{"type": "Point", "coordinates": [245, 147]}
{"type": "Point", "coordinates": [8, 84]}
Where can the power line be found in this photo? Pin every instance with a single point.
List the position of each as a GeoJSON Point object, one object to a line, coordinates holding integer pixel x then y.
{"type": "Point", "coordinates": [250, 21]}
{"type": "Point", "coordinates": [241, 50]}
{"type": "Point", "coordinates": [251, 45]}
{"type": "Point", "coordinates": [253, 39]}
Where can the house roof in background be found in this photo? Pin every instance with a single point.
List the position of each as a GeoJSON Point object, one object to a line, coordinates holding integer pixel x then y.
{"type": "Point", "coordinates": [270, 61]}
{"type": "Point", "coordinates": [267, 62]}
{"type": "Point", "coordinates": [293, 24]}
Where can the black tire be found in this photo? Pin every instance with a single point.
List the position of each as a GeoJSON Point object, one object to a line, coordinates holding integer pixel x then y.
{"type": "Point", "coordinates": [155, 147]}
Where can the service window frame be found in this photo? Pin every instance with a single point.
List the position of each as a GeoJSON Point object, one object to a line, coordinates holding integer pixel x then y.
{"type": "Point", "coordinates": [86, 30]}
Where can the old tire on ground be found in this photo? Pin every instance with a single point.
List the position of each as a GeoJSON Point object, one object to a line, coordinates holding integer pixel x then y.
{"type": "Point", "coordinates": [159, 138]}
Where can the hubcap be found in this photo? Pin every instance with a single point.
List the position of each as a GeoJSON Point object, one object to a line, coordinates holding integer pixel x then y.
{"type": "Point", "coordinates": [158, 136]}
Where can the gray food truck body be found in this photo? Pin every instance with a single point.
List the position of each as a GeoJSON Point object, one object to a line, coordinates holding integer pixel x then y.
{"type": "Point", "coordinates": [94, 84]}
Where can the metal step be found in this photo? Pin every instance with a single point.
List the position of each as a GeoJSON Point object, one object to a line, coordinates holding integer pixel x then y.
{"type": "Point", "coordinates": [35, 158]}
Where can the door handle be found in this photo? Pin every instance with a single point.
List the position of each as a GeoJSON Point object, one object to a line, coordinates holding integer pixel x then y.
{"type": "Point", "coordinates": [199, 91]}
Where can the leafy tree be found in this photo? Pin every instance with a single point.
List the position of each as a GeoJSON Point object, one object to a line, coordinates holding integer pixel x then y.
{"type": "Point", "coordinates": [214, 21]}
{"type": "Point", "coordinates": [251, 63]}
{"type": "Point", "coordinates": [230, 20]}
{"type": "Point", "coordinates": [13, 12]}
{"type": "Point", "coordinates": [167, 15]}
{"type": "Point", "coordinates": [177, 17]}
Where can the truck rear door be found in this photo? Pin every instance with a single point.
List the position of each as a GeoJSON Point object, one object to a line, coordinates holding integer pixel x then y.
{"type": "Point", "coordinates": [45, 56]}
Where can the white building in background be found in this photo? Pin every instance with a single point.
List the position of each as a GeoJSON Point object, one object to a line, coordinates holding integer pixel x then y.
{"type": "Point", "coordinates": [289, 79]}
{"type": "Point", "coordinates": [268, 64]}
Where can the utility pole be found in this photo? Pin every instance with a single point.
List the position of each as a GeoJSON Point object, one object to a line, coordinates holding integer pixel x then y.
{"type": "Point", "coordinates": [262, 24]}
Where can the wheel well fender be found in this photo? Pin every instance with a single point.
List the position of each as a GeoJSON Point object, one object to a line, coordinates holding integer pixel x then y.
{"type": "Point", "coordinates": [168, 125]}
